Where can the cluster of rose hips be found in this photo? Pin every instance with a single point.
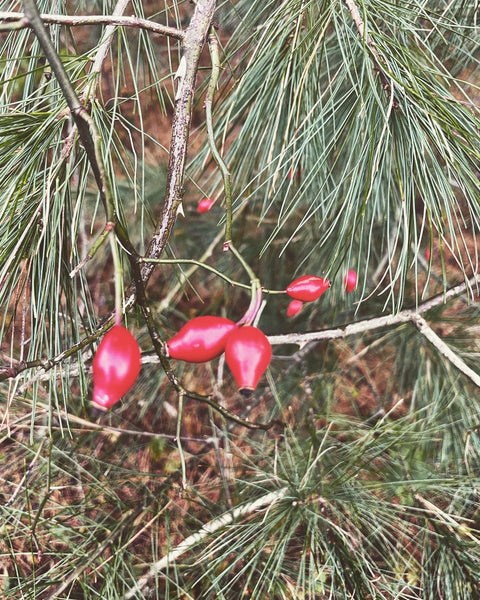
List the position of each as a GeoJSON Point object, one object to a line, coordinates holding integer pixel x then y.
{"type": "Point", "coordinates": [310, 287]}
{"type": "Point", "coordinates": [248, 352]}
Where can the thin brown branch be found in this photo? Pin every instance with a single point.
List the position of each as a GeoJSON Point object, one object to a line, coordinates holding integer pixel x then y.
{"type": "Point", "coordinates": [366, 325]}
{"type": "Point", "coordinates": [17, 20]}
{"type": "Point", "coordinates": [193, 42]}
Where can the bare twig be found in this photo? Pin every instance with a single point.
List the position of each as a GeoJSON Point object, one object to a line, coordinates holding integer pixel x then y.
{"type": "Point", "coordinates": [366, 325]}
{"type": "Point", "coordinates": [264, 502]}
{"type": "Point", "coordinates": [445, 350]}
{"type": "Point", "coordinates": [17, 20]}
{"type": "Point", "coordinates": [405, 316]}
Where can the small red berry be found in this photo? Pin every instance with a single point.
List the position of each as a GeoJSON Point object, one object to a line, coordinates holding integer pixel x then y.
{"type": "Point", "coordinates": [205, 205]}
{"type": "Point", "coordinates": [350, 281]}
{"type": "Point", "coordinates": [201, 339]}
{"type": "Point", "coordinates": [115, 367]}
{"type": "Point", "coordinates": [427, 254]}
{"type": "Point", "coordinates": [294, 308]}
{"type": "Point", "coordinates": [307, 288]}
{"type": "Point", "coordinates": [248, 353]}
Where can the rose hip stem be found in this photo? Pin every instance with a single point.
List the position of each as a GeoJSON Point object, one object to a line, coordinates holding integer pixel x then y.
{"type": "Point", "coordinates": [255, 303]}
{"type": "Point", "coordinates": [256, 290]}
{"type": "Point", "coordinates": [118, 276]}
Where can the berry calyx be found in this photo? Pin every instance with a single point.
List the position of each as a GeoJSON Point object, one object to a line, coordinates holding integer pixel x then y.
{"type": "Point", "coordinates": [307, 288]}
{"type": "Point", "coordinates": [115, 367]}
{"type": "Point", "coordinates": [248, 353]}
{"type": "Point", "coordinates": [205, 205]}
{"type": "Point", "coordinates": [350, 281]}
{"type": "Point", "coordinates": [201, 339]}
{"type": "Point", "coordinates": [294, 308]}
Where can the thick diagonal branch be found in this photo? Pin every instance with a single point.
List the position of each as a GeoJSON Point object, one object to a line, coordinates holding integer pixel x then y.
{"type": "Point", "coordinates": [193, 42]}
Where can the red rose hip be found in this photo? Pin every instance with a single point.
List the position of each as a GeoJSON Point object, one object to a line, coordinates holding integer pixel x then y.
{"type": "Point", "coordinates": [307, 288]}
{"type": "Point", "coordinates": [294, 308]}
{"type": "Point", "coordinates": [201, 339]}
{"type": "Point", "coordinates": [248, 353]}
{"type": "Point", "coordinates": [350, 281]}
{"type": "Point", "coordinates": [115, 366]}
{"type": "Point", "coordinates": [205, 205]}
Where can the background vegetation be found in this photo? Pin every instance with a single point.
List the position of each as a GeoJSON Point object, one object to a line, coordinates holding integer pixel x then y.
{"type": "Point", "coordinates": [349, 132]}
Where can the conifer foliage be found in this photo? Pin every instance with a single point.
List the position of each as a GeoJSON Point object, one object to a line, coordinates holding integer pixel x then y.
{"type": "Point", "coordinates": [333, 453]}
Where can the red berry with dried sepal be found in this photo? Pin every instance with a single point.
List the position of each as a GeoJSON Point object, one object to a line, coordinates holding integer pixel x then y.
{"type": "Point", "coordinates": [115, 366]}
{"type": "Point", "coordinates": [248, 353]}
{"type": "Point", "coordinates": [350, 281]}
{"type": "Point", "coordinates": [294, 308]}
{"type": "Point", "coordinates": [201, 339]}
{"type": "Point", "coordinates": [307, 288]}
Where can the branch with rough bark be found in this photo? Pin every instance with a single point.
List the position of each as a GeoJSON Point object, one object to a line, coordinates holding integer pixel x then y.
{"type": "Point", "coordinates": [15, 20]}
{"type": "Point", "coordinates": [192, 46]}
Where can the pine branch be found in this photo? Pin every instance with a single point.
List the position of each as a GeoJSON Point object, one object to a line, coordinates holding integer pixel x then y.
{"type": "Point", "coordinates": [365, 36]}
{"type": "Point", "coordinates": [83, 121]}
{"type": "Point", "coordinates": [266, 501]}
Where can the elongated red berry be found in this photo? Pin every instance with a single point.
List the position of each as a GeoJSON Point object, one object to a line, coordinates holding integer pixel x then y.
{"type": "Point", "coordinates": [294, 308]}
{"type": "Point", "coordinates": [350, 281]}
{"type": "Point", "coordinates": [308, 288]}
{"type": "Point", "coordinates": [205, 205]}
{"type": "Point", "coordinates": [248, 353]}
{"type": "Point", "coordinates": [115, 366]}
{"type": "Point", "coordinates": [201, 339]}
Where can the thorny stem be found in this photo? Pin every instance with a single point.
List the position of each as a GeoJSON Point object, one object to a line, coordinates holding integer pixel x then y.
{"type": "Point", "coordinates": [192, 46]}
{"type": "Point", "coordinates": [212, 86]}
{"type": "Point", "coordinates": [193, 42]}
